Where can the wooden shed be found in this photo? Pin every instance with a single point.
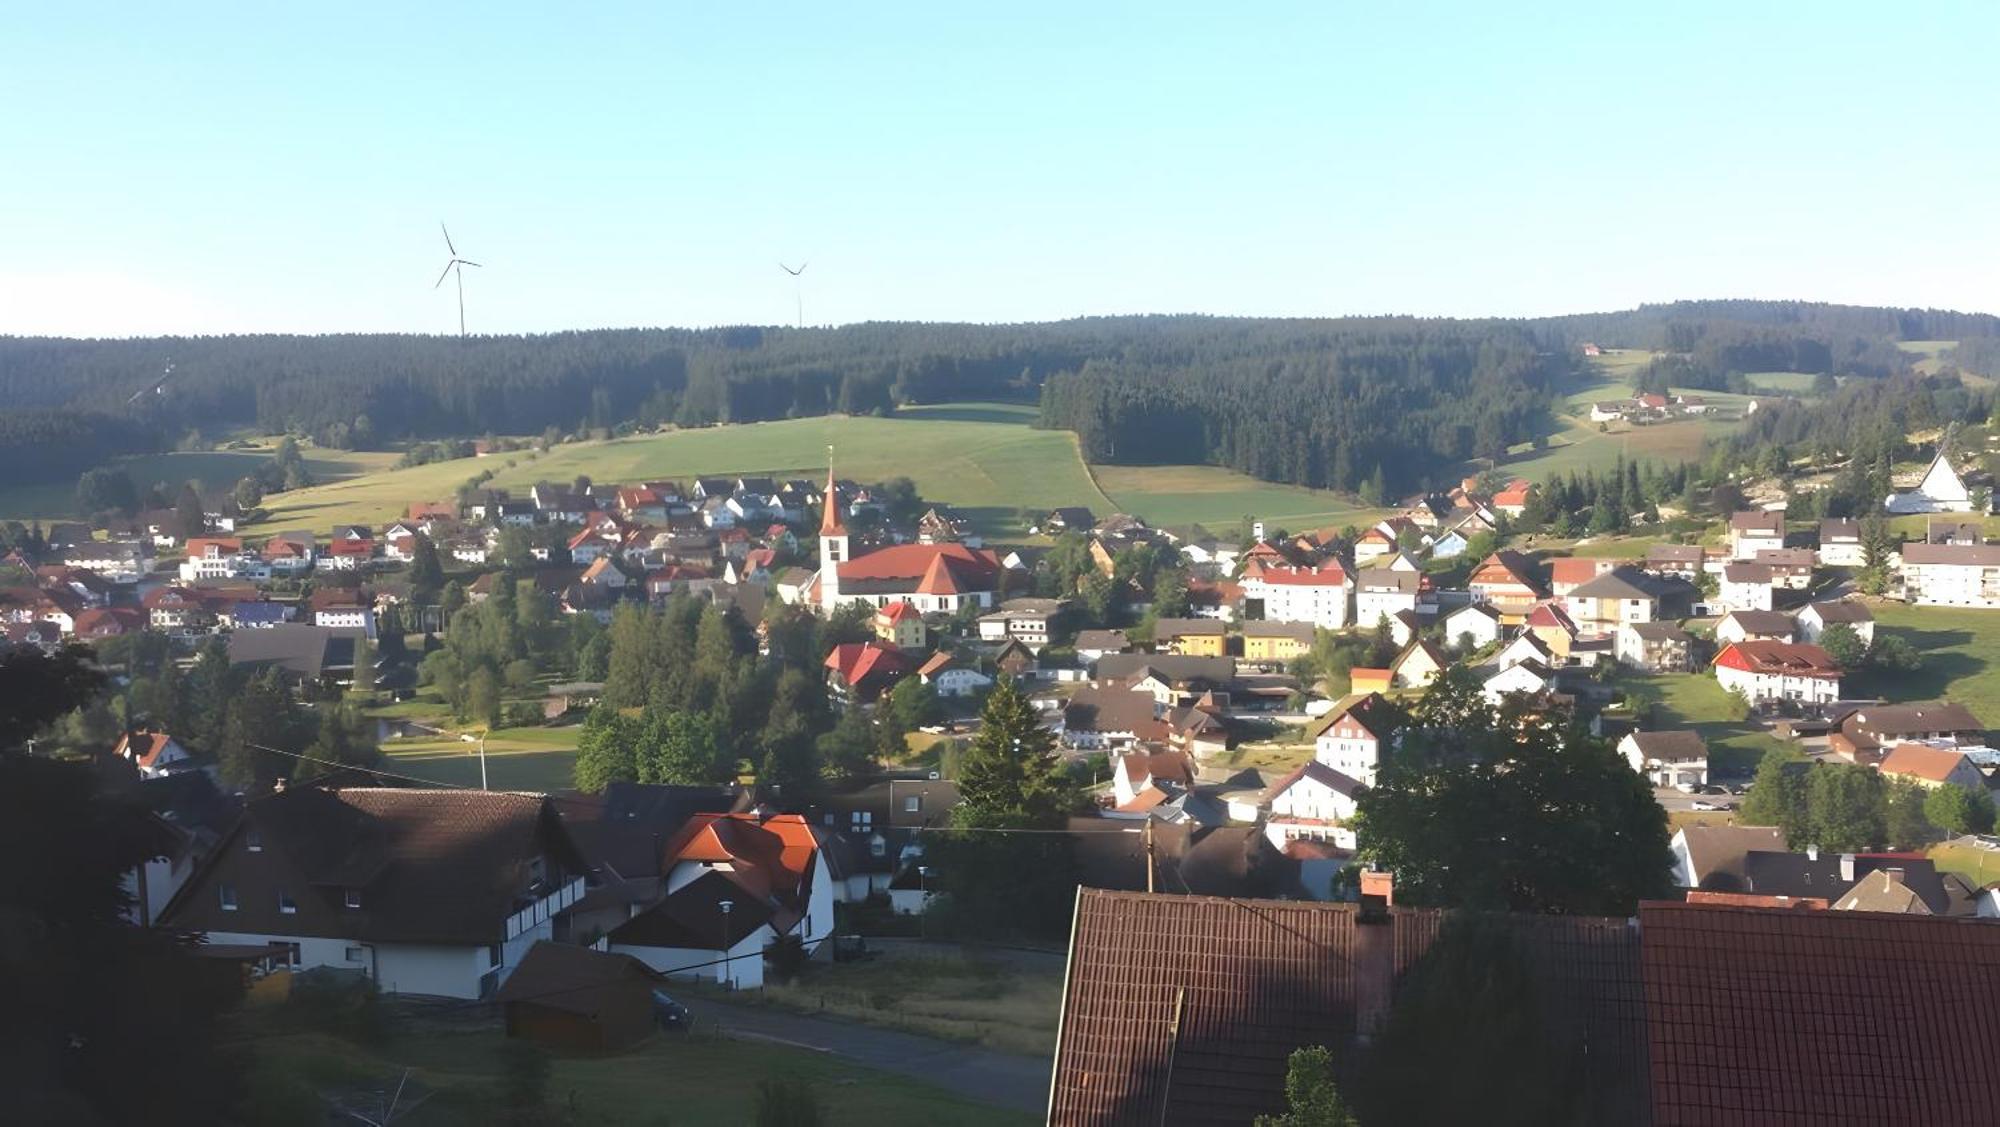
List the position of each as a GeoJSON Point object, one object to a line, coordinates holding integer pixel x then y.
{"type": "Point", "coordinates": [571, 997]}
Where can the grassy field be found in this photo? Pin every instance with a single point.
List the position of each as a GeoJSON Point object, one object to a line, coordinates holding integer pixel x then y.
{"type": "Point", "coordinates": [214, 469]}
{"type": "Point", "coordinates": [1792, 383]}
{"type": "Point", "coordinates": [1223, 500]}
{"type": "Point", "coordinates": [1007, 1003]}
{"type": "Point", "coordinates": [508, 766]}
{"type": "Point", "coordinates": [1977, 865]}
{"type": "Point", "coordinates": [1961, 651]}
{"type": "Point", "coordinates": [691, 1080]}
{"type": "Point", "coordinates": [982, 458]}
{"type": "Point", "coordinates": [1577, 444]}
{"type": "Point", "coordinates": [1931, 351]}
{"type": "Point", "coordinates": [1694, 700]}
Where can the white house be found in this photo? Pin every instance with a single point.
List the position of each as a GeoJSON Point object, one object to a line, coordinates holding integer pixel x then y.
{"type": "Point", "coordinates": [1745, 586]}
{"type": "Point", "coordinates": [735, 884]}
{"type": "Point", "coordinates": [1351, 738]}
{"type": "Point", "coordinates": [1317, 595]}
{"type": "Point", "coordinates": [1382, 592]}
{"type": "Point", "coordinates": [1755, 531]}
{"type": "Point", "coordinates": [1529, 677]}
{"type": "Point", "coordinates": [1705, 852]}
{"type": "Point", "coordinates": [1940, 491]}
{"type": "Point", "coordinates": [1952, 575]}
{"type": "Point", "coordinates": [153, 753]}
{"type": "Point", "coordinates": [1314, 802]}
{"type": "Point", "coordinates": [1768, 671]}
{"type": "Point", "coordinates": [1816, 617]}
{"type": "Point", "coordinates": [1755, 625]}
{"type": "Point", "coordinates": [1840, 543]}
{"type": "Point", "coordinates": [1667, 759]}
{"type": "Point", "coordinates": [432, 892]}
{"type": "Point", "coordinates": [1478, 622]}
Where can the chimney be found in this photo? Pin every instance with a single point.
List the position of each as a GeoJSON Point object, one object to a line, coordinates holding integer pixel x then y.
{"type": "Point", "coordinates": [1847, 868]}
{"type": "Point", "coordinates": [1812, 852]}
{"type": "Point", "coordinates": [1374, 956]}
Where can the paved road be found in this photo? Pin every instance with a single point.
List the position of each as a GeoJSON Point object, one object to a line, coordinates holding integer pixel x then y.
{"type": "Point", "coordinates": [989, 1077]}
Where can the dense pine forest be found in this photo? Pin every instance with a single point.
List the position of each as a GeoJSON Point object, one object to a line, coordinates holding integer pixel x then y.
{"type": "Point", "coordinates": [1354, 403]}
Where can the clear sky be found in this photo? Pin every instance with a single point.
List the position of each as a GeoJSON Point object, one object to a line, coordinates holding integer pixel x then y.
{"type": "Point", "coordinates": [179, 168]}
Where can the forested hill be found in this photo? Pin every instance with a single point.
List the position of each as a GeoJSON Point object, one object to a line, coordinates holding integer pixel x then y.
{"type": "Point", "coordinates": [1332, 402]}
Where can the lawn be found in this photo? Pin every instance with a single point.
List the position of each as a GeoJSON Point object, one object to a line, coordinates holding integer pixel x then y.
{"type": "Point", "coordinates": [525, 759]}
{"type": "Point", "coordinates": [1792, 383]}
{"type": "Point", "coordinates": [1694, 700]}
{"type": "Point", "coordinates": [1931, 351]}
{"type": "Point", "coordinates": [981, 458]}
{"type": "Point", "coordinates": [214, 469]}
{"type": "Point", "coordinates": [1005, 1001]}
{"type": "Point", "coordinates": [678, 1079]}
{"type": "Point", "coordinates": [1224, 501]}
{"type": "Point", "coordinates": [1959, 647]}
{"type": "Point", "coordinates": [1978, 865]}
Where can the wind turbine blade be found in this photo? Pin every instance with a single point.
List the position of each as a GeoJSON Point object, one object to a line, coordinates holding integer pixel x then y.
{"type": "Point", "coordinates": [467, 262]}
{"type": "Point", "coordinates": [447, 240]}
{"type": "Point", "coordinates": [801, 269]}
{"type": "Point", "coordinates": [447, 270]}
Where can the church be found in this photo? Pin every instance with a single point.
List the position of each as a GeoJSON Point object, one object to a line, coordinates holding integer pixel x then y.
{"type": "Point", "coordinates": [1941, 491]}
{"type": "Point", "coordinates": [934, 578]}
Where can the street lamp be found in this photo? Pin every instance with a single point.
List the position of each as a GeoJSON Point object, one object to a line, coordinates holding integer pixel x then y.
{"type": "Point", "coordinates": [728, 948]}
{"type": "Point", "coordinates": [923, 901]}
{"type": "Point", "coordinates": [467, 737]}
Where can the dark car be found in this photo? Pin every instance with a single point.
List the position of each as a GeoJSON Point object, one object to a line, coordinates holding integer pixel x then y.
{"type": "Point", "coordinates": [667, 1013]}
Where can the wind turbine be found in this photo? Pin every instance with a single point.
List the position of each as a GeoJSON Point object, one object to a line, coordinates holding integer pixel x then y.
{"type": "Point", "coordinates": [798, 289]}
{"type": "Point", "coordinates": [158, 385]}
{"type": "Point", "coordinates": [455, 266]}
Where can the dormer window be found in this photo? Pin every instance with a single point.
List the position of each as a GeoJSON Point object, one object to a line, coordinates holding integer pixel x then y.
{"type": "Point", "coordinates": [253, 841]}
{"type": "Point", "coordinates": [287, 905]}
{"type": "Point", "coordinates": [228, 896]}
{"type": "Point", "coordinates": [354, 898]}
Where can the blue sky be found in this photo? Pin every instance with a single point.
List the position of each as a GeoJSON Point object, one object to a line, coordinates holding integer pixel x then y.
{"type": "Point", "coordinates": [181, 168]}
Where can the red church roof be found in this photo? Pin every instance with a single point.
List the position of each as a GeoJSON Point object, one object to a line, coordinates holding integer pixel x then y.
{"type": "Point", "coordinates": [929, 569]}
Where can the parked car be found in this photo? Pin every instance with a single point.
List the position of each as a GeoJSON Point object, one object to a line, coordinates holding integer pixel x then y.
{"type": "Point", "coordinates": [1704, 804]}
{"type": "Point", "coordinates": [667, 1013]}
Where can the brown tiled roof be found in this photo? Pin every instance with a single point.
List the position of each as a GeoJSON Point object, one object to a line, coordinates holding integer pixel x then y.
{"type": "Point", "coordinates": [1680, 746]}
{"type": "Point", "coordinates": [1253, 980]}
{"type": "Point", "coordinates": [563, 976]}
{"type": "Point", "coordinates": [1773, 1019]}
{"type": "Point", "coordinates": [1925, 762]}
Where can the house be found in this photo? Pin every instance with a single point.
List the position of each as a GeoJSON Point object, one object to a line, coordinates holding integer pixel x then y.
{"type": "Point", "coordinates": [108, 622]}
{"type": "Point", "coordinates": [1567, 573]}
{"type": "Point", "coordinates": [1093, 644]}
{"type": "Point", "coordinates": [1513, 498]}
{"type": "Point", "coordinates": [577, 999]}
{"type": "Point", "coordinates": [1110, 717]}
{"type": "Point", "coordinates": [307, 652]}
{"type": "Point", "coordinates": [1073, 518]}
{"type": "Point", "coordinates": [1791, 568]}
{"type": "Point", "coordinates": [1840, 543]}
{"type": "Point", "coordinates": [118, 561]}
{"type": "Point", "coordinates": [1525, 646]}
{"type": "Point", "coordinates": [1604, 412]}
{"type": "Point", "coordinates": [1746, 586]}
{"type": "Point", "coordinates": [1275, 643]}
{"type": "Point", "coordinates": [1828, 876]}
{"type": "Point", "coordinates": [1372, 545]}
{"type": "Point", "coordinates": [153, 753]}
{"type": "Point", "coordinates": [1529, 678]}
{"type": "Point", "coordinates": [433, 892]}
{"type": "Point", "coordinates": [1174, 681]}
{"type": "Point", "coordinates": [1933, 764]}
{"type": "Point", "coordinates": [941, 578]}
{"type": "Point", "coordinates": [1940, 491]}
{"type": "Point", "coordinates": [1033, 621]}
{"type": "Point", "coordinates": [1472, 626]}
{"type": "Point", "coordinates": [255, 614]}
{"type": "Point", "coordinates": [1770, 671]}
{"type": "Point", "coordinates": [735, 884]}
{"type": "Point", "coordinates": [1143, 779]}
{"type": "Point", "coordinates": [1313, 802]}
{"type": "Point", "coordinates": [1712, 856]}
{"type": "Point", "coordinates": [1952, 575]}
{"type": "Point", "coordinates": [1755, 626]}
{"type": "Point", "coordinates": [1883, 890]}
{"type": "Point", "coordinates": [1613, 598]}
{"type": "Point", "coordinates": [1549, 625]}
{"type": "Point", "coordinates": [1655, 647]}
{"type": "Point", "coordinates": [1754, 531]}
{"type": "Point", "coordinates": [1507, 580]}
{"type": "Point", "coordinates": [1419, 664]}
{"type": "Point", "coordinates": [952, 677]}
{"type": "Point", "coordinates": [1316, 595]}
{"type": "Point", "coordinates": [863, 671]}
{"type": "Point", "coordinates": [1191, 637]}
{"type": "Point", "coordinates": [1382, 593]}
{"type": "Point", "coordinates": [1015, 659]}
{"type": "Point", "coordinates": [899, 625]}
{"type": "Point", "coordinates": [1353, 736]}
{"type": "Point", "coordinates": [1680, 561]}
{"type": "Point", "coordinates": [1947, 530]}
{"type": "Point", "coordinates": [1362, 679]}
{"type": "Point", "coordinates": [1816, 617]}
{"type": "Point", "coordinates": [1865, 733]}
{"type": "Point", "coordinates": [1667, 759]}
{"type": "Point", "coordinates": [178, 610]}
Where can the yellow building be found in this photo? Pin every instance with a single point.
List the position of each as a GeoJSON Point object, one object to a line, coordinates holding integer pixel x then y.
{"type": "Point", "coordinates": [1191, 637]}
{"type": "Point", "coordinates": [1276, 642]}
{"type": "Point", "coordinates": [899, 625]}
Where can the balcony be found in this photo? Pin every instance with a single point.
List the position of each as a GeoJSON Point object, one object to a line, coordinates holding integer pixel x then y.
{"type": "Point", "coordinates": [545, 909]}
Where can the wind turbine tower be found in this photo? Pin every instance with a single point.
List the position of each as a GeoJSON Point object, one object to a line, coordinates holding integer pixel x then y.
{"type": "Point", "coordinates": [456, 266]}
{"type": "Point", "coordinates": [798, 289]}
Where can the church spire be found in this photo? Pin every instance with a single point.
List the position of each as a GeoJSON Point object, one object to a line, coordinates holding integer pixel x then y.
{"type": "Point", "coordinates": [830, 523]}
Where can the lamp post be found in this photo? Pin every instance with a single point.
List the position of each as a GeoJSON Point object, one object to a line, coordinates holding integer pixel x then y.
{"type": "Point", "coordinates": [923, 901]}
{"type": "Point", "coordinates": [728, 948]}
{"type": "Point", "coordinates": [481, 741]}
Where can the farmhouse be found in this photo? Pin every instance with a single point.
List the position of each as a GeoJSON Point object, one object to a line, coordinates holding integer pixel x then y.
{"type": "Point", "coordinates": [1316, 595]}
{"type": "Point", "coordinates": [1768, 671]}
{"type": "Point", "coordinates": [1952, 575]}
{"type": "Point", "coordinates": [1667, 759]}
{"type": "Point", "coordinates": [1816, 617]}
{"type": "Point", "coordinates": [1507, 580]}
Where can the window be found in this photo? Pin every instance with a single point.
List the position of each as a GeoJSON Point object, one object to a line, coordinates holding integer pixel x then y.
{"type": "Point", "coordinates": [913, 804]}
{"type": "Point", "coordinates": [292, 958]}
{"type": "Point", "coordinates": [228, 894]}
{"type": "Point", "coordinates": [253, 841]}
{"type": "Point", "coordinates": [863, 819]}
{"type": "Point", "coordinates": [493, 954]}
{"type": "Point", "coordinates": [357, 954]}
{"type": "Point", "coordinates": [354, 898]}
{"type": "Point", "coordinates": [286, 904]}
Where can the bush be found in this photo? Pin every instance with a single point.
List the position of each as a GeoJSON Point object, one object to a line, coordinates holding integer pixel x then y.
{"type": "Point", "coordinates": [345, 1004]}
{"type": "Point", "coordinates": [787, 1102]}
{"type": "Point", "coordinates": [786, 957]}
{"type": "Point", "coordinates": [522, 714]}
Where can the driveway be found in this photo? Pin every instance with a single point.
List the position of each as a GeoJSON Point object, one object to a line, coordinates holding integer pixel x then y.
{"type": "Point", "coordinates": [988, 1077]}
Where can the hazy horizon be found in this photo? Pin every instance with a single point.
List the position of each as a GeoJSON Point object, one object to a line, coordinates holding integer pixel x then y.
{"type": "Point", "coordinates": [191, 173]}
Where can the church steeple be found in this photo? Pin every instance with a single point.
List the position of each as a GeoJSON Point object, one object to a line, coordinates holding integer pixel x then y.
{"type": "Point", "coordinates": [832, 542]}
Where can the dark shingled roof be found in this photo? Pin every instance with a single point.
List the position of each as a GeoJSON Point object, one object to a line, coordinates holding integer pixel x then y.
{"type": "Point", "coordinates": [1774, 1019]}
{"type": "Point", "coordinates": [578, 980]}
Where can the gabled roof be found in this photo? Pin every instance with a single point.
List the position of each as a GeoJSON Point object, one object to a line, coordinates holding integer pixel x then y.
{"type": "Point", "coordinates": [1679, 746]}
{"type": "Point", "coordinates": [1933, 764]}
{"type": "Point", "coordinates": [1792, 659]}
{"type": "Point", "coordinates": [1319, 773]}
{"type": "Point", "coordinates": [1763, 623]}
{"type": "Point", "coordinates": [1827, 876]}
{"type": "Point", "coordinates": [1845, 610]}
{"type": "Point", "coordinates": [1105, 708]}
{"type": "Point", "coordinates": [1370, 710]}
{"type": "Point", "coordinates": [1327, 574]}
{"type": "Point", "coordinates": [1889, 721]}
{"type": "Point", "coordinates": [1719, 851]}
{"type": "Point", "coordinates": [1952, 555]}
{"type": "Point", "coordinates": [1839, 529]}
{"type": "Point", "coordinates": [142, 748]}
{"type": "Point", "coordinates": [1618, 583]}
{"type": "Point", "coordinates": [856, 662]}
{"type": "Point", "coordinates": [1108, 640]}
{"type": "Point", "coordinates": [1882, 891]}
{"type": "Point", "coordinates": [1506, 567]}
{"type": "Point", "coordinates": [1765, 521]}
{"type": "Point", "coordinates": [574, 979]}
{"type": "Point", "coordinates": [1760, 574]}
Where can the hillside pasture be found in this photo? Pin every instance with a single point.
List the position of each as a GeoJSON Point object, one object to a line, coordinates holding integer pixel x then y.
{"type": "Point", "coordinates": [212, 469]}
{"type": "Point", "coordinates": [1223, 500]}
